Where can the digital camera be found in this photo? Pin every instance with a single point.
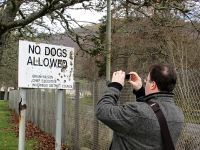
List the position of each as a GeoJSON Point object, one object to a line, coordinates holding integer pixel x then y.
{"type": "Point", "coordinates": [131, 77]}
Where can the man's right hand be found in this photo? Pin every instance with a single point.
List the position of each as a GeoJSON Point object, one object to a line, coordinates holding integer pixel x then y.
{"type": "Point", "coordinates": [118, 77]}
{"type": "Point", "coordinates": [137, 83]}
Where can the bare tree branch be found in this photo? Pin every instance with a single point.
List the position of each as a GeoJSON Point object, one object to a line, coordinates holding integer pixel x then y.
{"type": "Point", "coordinates": [47, 8]}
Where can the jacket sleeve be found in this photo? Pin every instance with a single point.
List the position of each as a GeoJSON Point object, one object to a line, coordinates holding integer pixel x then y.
{"type": "Point", "coordinates": [119, 118]}
{"type": "Point", "coordinates": [140, 93]}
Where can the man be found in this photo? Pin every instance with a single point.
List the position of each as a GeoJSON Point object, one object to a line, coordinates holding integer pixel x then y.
{"type": "Point", "coordinates": [135, 126]}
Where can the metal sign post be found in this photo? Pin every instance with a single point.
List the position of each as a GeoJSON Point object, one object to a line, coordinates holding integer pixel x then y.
{"type": "Point", "coordinates": [59, 120]}
{"type": "Point", "coordinates": [22, 119]}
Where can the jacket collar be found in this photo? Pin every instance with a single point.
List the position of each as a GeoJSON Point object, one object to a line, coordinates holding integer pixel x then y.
{"type": "Point", "coordinates": [155, 96]}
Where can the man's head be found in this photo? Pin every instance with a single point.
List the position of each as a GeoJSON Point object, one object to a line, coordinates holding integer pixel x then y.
{"type": "Point", "coordinates": [161, 78]}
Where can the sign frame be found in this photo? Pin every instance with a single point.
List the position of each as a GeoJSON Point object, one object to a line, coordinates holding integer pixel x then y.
{"type": "Point", "coordinates": [43, 65]}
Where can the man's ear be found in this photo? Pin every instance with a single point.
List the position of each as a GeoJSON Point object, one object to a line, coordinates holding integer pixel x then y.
{"type": "Point", "coordinates": [153, 85]}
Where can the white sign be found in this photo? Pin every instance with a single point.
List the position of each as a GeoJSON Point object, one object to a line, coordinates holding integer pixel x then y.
{"type": "Point", "coordinates": [45, 66]}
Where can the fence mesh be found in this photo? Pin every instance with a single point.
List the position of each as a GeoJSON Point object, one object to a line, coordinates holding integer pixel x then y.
{"type": "Point", "coordinates": [187, 96]}
{"type": "Point", "coordinates": [80, 128]}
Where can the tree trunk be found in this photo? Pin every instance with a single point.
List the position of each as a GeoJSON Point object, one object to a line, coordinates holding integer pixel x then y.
{"type": "Point", "coordinates": [2, 45]}
{"type": "Point", "coordinates": [7, 15]}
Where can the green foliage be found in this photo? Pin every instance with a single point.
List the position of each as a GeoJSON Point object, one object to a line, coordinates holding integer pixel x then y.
{"type": "Point", "coordinates": [102, 67]}
{"type": "Point", "coordinates": [102, 29]}
{"type": "Point", "coordinates": [99, 48]}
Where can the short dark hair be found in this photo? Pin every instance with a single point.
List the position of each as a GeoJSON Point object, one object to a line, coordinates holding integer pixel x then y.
{"type": "Point", "coordinates": [164, 75]}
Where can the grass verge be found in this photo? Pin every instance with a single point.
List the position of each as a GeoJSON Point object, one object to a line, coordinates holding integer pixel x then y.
{"type": "Point", "coordinates": [8, 138]}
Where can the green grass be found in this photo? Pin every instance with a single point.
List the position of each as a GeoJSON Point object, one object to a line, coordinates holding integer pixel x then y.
{"type": "Point", "coordinates": [86, 100]}
{"type": "Point", "coordinates": [8, 139]}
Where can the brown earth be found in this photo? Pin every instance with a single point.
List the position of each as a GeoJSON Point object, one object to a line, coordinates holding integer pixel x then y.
{"type": "Point", "coordinates": [44, 140]}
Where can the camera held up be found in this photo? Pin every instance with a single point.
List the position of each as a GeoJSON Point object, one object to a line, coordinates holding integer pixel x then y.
{"type": "Point", "coordinates": [131, 77]}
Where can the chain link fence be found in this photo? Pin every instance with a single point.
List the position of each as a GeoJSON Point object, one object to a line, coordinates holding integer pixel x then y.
{"type": "Point", "coordinates": [82, 131]}
{"type": "Point", "coordinates": [187, 96]}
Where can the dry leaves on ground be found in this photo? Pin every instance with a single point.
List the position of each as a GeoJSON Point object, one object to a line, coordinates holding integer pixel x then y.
{"type": "Point", "coordinates": [46, 141]}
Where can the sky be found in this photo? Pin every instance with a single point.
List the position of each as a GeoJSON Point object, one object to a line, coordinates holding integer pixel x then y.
{"type": "Point", "coordinates": [86, 15]}
{"type": "Point", "coordinates": [82, 16]}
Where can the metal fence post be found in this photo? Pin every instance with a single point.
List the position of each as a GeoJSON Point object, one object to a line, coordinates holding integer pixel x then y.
{"type": "Point", "coordinates": [95, 145]}
{"type": "Point", "coordinates": [76, 116]}
{"type": "Point", "coordinates": [22, 119]}
{"type": "Point", "coordinates": [59, 120]}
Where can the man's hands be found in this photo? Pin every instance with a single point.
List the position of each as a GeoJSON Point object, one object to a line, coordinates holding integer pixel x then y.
{"type": "Point", "coordinates": [137, 82]}
{"type": "Point", "coordinates": [119, 77]}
